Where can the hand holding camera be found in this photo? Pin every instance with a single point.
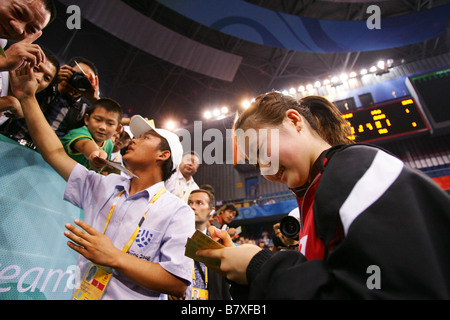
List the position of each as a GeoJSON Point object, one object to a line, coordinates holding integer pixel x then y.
{"type": "Point", "coordinates": [286, 233]}
{"type": "Point", "coordinates": [78, 83]}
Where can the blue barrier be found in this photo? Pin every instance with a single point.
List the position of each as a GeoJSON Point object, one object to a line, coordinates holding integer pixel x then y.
{"type": "Point", "coordinates": [35, 261]}
{"type": "Point", "coordinates": [266, 210]}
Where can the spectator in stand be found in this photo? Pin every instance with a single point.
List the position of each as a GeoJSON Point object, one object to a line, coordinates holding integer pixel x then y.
{"type": "Point", "coordinates": [182, 182]}
{"type": "Point", "coordinates": [102, 121]}
{"type": "Point", "coordinates": [12, 123]}
{"type": "Point", "coordinates": [62, 103]}
{"type": "Point", "coordinates": [21, 22]}
{"type": "Point", "coordinates": [225, 216]}
{"type": "Point", "coordinates": [208, 284]}
{"type": "Point", "coordinates": [121, 141]}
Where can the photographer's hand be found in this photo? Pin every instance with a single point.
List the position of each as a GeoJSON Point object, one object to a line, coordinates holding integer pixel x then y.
{"type": "Point", "coordinates": [64, 74]}
{"type": "Point", "coordinates": [288, 242]}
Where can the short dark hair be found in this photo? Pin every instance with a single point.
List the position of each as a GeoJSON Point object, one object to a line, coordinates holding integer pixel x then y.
{"type": "Point", "coordinates": [167, 166]}
{"type": "Point", "coordinates": [230, 207]}
{"type": "Point", "coordinates": [109, 105]}
{"type": "Point", "coordinates": [212, 199]}
{"type": "Point", "coordinates": [52, 58]}
{"type": "Point", "coordinates": [50, 6]}
{"type": "Point", "coordinates": [73, 62]}
{"type": "Point", "coordinates": [208, 187]}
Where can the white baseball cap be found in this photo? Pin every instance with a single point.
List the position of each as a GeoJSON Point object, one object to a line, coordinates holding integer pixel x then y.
{"type": "Point", "coordinates": [139, 126]}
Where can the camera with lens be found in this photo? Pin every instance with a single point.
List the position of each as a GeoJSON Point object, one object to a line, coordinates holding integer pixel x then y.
{"type": "Point", "coordinates": [290, 227]}
{"type": "Point", "coordinates": [80, 82]}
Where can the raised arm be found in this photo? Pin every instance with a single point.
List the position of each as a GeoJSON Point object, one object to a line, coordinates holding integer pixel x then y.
{"type": "Point", "coordinates": [24, 85]}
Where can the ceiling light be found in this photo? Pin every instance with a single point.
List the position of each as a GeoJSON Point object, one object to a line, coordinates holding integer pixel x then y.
{"type": "Point", "coordinates": [207, 115]}
{"type": "Point", "coordinates": [246, 104]}
{"type": "Point", "coordinates": [224, 110]}
{"type": "Point", "coordinates": [170, 125]}
{"type": "Point", "coordinates": [363, 72]}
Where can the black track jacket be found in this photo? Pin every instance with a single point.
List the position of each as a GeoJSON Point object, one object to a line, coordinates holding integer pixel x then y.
{"type": "Point", "coordinates": [396, 224]}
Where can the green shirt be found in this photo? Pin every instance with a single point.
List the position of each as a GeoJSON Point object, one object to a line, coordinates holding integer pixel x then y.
{"type": "Point", "coordinates": [75, 135]}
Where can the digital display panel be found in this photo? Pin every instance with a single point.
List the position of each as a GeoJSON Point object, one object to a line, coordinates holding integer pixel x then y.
{"type": "Point", "coordinates": [431, 92]}
{"type": "Point", "coordinates": [386, 121]}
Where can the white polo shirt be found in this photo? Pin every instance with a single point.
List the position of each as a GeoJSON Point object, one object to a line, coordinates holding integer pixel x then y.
{"type": "Point", "coordinates": [162, 237]}
{"type": "Point", "coordinates": [178, 185]}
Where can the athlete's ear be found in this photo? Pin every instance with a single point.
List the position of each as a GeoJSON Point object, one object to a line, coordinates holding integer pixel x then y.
{"type": "Point", "coordinates": [294, 118]}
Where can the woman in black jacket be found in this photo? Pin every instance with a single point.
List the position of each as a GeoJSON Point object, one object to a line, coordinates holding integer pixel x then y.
{"type": "Point", "coordinates": [371, 228]}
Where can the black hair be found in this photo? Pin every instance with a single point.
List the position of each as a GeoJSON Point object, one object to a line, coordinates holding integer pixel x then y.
{"type": "Point", "coordinates": [52, 58]}
{"type": "Point", "coordinates": [109, 105]}
{"type": "Point", "coordinates": [73, 62]}
{"type": "Point", "coordinates": [230, 207]}
{"type": "Point", "coordinates": [167, 170]}
{"type": "Point", "coordinates": [50, 6]}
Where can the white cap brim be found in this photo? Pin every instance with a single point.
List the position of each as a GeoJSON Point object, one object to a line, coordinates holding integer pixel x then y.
{"type": "Point", "coordinates": [139, 126]}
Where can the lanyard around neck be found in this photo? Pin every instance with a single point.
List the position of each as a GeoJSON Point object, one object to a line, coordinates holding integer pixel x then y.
{"type": "Point", "coordinates": [135, 233]}
{"type": "Point", "coordinates": [204, 276]}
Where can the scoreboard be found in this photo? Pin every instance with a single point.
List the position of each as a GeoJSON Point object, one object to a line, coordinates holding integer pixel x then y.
{"type": "Point", "coordinates": [386, 121]}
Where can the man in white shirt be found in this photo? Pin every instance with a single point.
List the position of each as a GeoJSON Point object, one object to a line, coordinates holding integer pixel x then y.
{"type": "Point", "coordinates": [152, 260]}
{"type": "Point", "coordinates": [182, 182]}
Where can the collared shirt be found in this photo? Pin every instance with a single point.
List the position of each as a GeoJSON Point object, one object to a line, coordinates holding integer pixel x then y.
{"type": "Point", "coordinates": [75, 135]}
{"type": "Point", "coordinates": [162, 237]}
{"type": "Point", "coordinates": [178, 185]}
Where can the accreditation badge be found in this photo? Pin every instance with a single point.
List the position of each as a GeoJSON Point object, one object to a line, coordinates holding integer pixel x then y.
{"type": "Point", "coordinates": [93, 283]}
{"type": "Point", "coordinates": [199, 294]}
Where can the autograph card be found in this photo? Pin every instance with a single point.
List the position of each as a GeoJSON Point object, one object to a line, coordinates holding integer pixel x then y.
{"type": "Point", "coordinates": [201, 241]}
{"type": "Point", "coordinates": [121, 168]}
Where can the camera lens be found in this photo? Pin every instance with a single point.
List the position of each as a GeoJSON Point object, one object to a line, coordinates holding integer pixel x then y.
{"type": "Point", "coordinates": [290, 227]}
{"type": "Point", "coordinates": [80, 82]}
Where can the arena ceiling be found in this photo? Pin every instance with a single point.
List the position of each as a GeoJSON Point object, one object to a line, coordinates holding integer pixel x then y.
{"type": "Point", "coordinates": [158, 89]}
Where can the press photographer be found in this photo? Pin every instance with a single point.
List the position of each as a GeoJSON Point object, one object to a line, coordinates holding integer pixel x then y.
{"type": "Point", "coordinates": [287, 231]}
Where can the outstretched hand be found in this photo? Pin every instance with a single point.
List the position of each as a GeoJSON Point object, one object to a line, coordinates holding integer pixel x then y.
{"type": "Point", "coordinates": [97, 160]}
{"type": "Point", "coordinates": [234, 260]}
{"type": "Point", "coordinates": [23, 83]}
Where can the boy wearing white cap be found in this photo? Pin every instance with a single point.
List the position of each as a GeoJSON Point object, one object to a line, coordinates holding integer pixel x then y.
{"type": "Point", "coordinates": [134, 232]}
